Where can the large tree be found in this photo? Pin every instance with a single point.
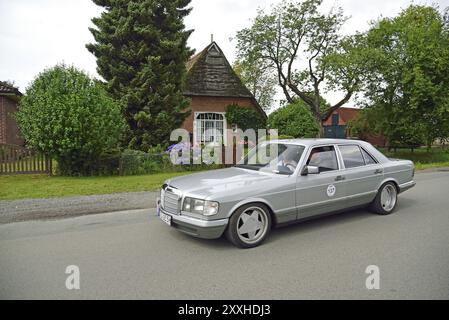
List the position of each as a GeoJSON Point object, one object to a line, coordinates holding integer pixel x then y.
{"type": "Point", "coordinates": [141, 50]}
{"type": "Point", "coordinates": [407, 86]}
{"type": "Point", "coordinates": [306, 51]}
{"type": "Point", "coordinates": [258, 78]}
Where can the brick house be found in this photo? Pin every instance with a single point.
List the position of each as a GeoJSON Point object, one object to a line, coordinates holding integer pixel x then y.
{"type": "Point", "coordinates": [9, 131]}
{"type": "Point", "coordinates": [212, 85]}
{"type": "Point", "coordinates": [335, 126]}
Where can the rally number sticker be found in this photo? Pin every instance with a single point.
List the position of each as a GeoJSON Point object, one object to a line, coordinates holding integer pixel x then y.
{"type": "Point", "coordinates": [331, 190]}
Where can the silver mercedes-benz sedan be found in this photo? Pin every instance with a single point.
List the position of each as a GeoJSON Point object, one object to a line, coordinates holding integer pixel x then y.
{"type": "Point", "coordinates": [283, 181]}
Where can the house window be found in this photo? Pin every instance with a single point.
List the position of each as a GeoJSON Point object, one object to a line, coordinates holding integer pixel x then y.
{"type": "Point", "coordinates": [209, 127]}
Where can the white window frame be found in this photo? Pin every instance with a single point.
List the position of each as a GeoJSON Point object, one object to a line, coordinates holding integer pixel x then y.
{"type": "Point", "coordinates": [195, 126]}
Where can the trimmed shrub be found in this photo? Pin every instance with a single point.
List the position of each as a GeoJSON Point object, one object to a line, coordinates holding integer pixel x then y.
{"type": "Point", "coordinates": [294, 120]}
{"type": "Point", "coordinates": [68, 116]}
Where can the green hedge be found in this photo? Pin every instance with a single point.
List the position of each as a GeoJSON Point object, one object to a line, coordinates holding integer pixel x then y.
{"type": "Point", "coordinates": [245, 118]}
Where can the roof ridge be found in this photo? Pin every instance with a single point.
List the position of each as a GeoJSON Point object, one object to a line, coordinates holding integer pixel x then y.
{"type": "Point", "coordinates": [6, 88]}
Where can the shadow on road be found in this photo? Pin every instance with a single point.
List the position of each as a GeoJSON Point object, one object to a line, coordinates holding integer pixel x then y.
{"type": "Point", "coordinates": [217, 244]}
{"type": "Point", "coordinates": [319, 223]}
{"type": "Point", "coordinates": [313, 225]}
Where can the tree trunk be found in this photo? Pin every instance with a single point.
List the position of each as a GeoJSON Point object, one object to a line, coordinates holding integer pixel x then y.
{"type": "Point", "coordinates": [320, 127]}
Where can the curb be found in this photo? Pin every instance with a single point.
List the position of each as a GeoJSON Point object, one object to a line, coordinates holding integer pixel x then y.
{"type": "Point", "coordinates": [66, 207]}
{"type": "Point", "coordinates": [436, 169]}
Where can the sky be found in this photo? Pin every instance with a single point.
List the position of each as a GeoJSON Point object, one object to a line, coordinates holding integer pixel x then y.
{"type": "Point", "coordinates": [37, 34]}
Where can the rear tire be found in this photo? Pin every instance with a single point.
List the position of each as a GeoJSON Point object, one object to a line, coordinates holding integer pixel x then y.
{"type": "Point", "coordinates": [386, 199]}
{"type": "Point", "coordinates": [249, 225]}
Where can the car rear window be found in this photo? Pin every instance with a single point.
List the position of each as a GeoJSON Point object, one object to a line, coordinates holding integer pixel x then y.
{"type": "Point", "coordinates": [352, 156]}
{"type": "Point", "coordinates": [368, 158]}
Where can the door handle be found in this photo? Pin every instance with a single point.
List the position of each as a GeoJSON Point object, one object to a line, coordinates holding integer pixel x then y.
{"type": "Point", "coordinates": [340, 178]}
{"type": "Point", "coordinates": [377, 171]}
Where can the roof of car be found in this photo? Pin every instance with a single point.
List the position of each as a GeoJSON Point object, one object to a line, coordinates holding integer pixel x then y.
{"type": "Point", "coordinates": [320, 141]}
{"type": "Point", "coordinates": [315, 141]}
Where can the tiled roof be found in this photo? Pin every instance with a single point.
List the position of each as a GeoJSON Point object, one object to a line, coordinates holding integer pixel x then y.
{"type": "Point", "coordinates": [347, 114]}
{"type": "Point", "coordinates": [193, 60]}
{"type": "Point", "coordinates": [6, 89]}
{"type": "Point", "coordinates": [210, 74]}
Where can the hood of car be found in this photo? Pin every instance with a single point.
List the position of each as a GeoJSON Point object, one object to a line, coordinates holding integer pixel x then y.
{"type": "Point", "coordinates": [230, 180]}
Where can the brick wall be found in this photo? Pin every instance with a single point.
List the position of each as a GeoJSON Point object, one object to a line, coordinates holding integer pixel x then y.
{"type": "Point", "coordinates": [9, 131]}
{"type": "Point", "coordinates": [2, 121]}
{"type": "Point", "coordinates": [345, 114]}
{"type": "Point", "coordinates": [213, 104]}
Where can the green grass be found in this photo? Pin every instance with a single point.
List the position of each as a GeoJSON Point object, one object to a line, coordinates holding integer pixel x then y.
{"type": "Point", "coordinates": [423, 159]}
{"type": "Point", "coordinates": [43, 186]}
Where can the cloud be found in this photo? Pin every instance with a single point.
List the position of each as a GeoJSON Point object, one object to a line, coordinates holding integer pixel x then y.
{"type": "Point", "coordinates": [222, 18]}
{"type": "Point", "coordinates": [38, 34]}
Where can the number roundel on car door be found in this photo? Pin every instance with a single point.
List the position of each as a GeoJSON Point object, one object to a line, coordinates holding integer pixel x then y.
{"type": "Point", "coordinates": [331, 190]}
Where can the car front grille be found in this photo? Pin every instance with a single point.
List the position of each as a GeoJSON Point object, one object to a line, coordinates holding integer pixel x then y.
{"type": "Point", "coordinates": [171, 201]}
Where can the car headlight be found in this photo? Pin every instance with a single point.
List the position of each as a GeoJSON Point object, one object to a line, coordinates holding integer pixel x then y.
{"type": "Point", "coordinates": [210, 208]}
{"type": "Point", "coordinates": [204, 207]}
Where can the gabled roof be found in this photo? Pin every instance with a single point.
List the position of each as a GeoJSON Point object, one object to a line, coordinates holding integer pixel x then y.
{"type": "Point", "coordinates": [347, 114]}
{"type": "Point", "coordinates": [210, 74]}
{"type": "Point", "coordinates": [7, 89]}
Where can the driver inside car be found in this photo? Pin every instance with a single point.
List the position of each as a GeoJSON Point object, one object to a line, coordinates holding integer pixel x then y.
{"type": "Point", "coordinates": [288, 160]}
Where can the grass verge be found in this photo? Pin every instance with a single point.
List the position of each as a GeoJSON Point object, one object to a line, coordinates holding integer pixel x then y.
{"type": "Point", "coordinates": [423, 159]}
{"type": "Point", "coordinates": [42, 186]}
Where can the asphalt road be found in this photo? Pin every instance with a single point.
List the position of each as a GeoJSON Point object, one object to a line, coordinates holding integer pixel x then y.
{"type": "Point", "coordinates": [134, 255]}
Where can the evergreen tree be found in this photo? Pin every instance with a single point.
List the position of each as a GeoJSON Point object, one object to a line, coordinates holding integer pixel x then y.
{"type": "Point", "coordinates": [141, 50]}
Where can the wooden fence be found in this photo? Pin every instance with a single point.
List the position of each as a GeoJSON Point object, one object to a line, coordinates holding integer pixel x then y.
{"type": "Point", "coordinates": [19, 160]}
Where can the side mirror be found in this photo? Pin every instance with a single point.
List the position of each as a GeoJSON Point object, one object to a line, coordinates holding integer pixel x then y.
{"type": "Point", "coordinates": [310, 170]}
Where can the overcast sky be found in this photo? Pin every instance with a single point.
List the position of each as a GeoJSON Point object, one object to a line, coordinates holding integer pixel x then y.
{"type": "Point", "coordinates": [35, 34]}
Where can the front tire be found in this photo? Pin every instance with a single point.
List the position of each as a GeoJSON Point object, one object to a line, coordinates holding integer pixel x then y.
{"type": "Point", "coordinates": [249, 225]}
{"type": "Point", "coordinates": [386, 199]}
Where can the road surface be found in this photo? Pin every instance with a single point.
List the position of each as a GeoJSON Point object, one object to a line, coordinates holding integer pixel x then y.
{"type": "Point", "coordinates": [135, 255]}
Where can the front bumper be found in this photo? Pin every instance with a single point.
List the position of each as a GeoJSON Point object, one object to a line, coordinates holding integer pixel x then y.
{"type": "Point", "coordinates": [206, 229]}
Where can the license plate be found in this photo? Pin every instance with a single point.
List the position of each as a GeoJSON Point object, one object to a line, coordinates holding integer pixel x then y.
{"type": "Point", "coordinates": [165, 217]}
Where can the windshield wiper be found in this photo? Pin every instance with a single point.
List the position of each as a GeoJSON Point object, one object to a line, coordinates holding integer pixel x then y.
{"type": "Point", "coordinates": [248, 166]}
{"type": "Point", "coordinates": [281, 172]}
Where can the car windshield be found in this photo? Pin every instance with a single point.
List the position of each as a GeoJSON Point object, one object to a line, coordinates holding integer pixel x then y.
{"type": "Point", "coordinates": [279, 158]}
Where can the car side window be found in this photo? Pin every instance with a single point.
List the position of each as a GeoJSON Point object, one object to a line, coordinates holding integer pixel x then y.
{"type": "Point", "coordinates": [324, 158]}
{"type": "Point", "coordinates": [368, 158]}
{"type": "Point", "coordinates": [352, 156]}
